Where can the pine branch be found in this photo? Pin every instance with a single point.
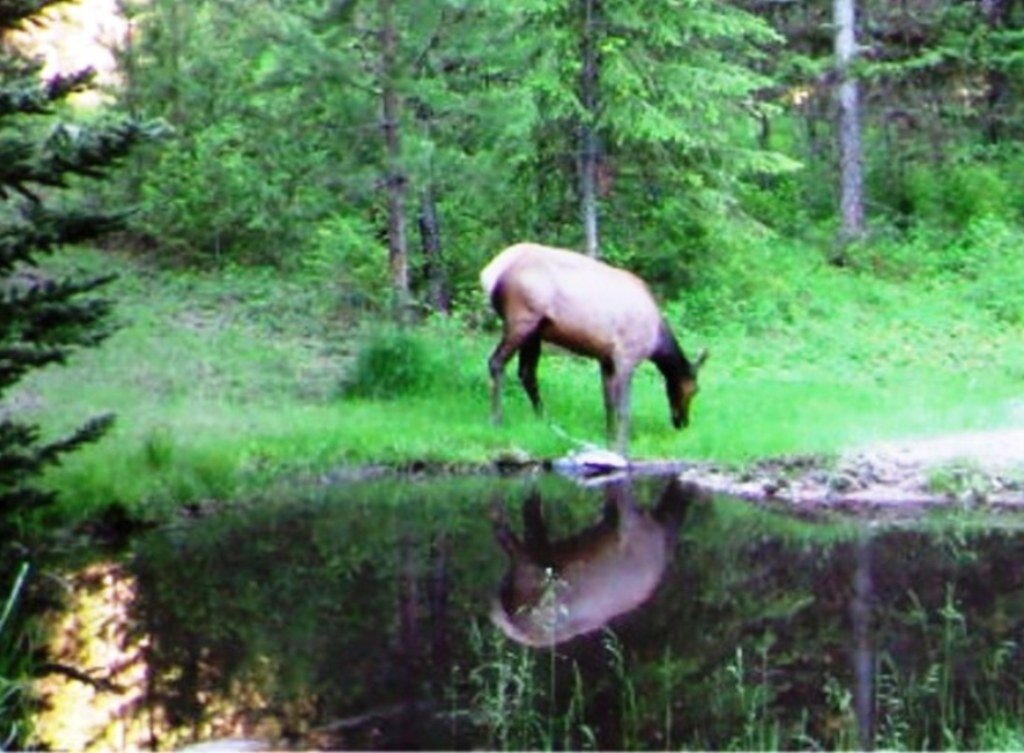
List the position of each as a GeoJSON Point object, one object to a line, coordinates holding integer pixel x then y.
{"type": "Point", "coordinates": [17, 13]}
{"type": "Point", "coordinates": [88, 152]}
{"type": "Point", "coordinates": [21, 459]}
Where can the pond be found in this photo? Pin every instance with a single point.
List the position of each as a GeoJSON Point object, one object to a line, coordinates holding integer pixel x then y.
{"type": "Point", "coordinates": [530, 612]}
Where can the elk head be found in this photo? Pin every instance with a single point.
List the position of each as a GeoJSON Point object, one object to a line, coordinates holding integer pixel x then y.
{"type": "Point", "coordinates": [681, 391]}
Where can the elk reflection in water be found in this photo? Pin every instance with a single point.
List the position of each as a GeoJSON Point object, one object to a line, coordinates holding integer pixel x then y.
{"type": "Point", "coordinates": [556, 590]}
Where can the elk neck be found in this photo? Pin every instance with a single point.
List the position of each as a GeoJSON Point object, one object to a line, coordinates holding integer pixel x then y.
{"type": "Point", "coordinates": [669, 357]}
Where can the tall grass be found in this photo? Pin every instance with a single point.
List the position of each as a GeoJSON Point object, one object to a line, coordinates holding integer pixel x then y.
{"type": "Point", "coordinates": [13, 670]}
{"type": "Point", "coordinates": [513, 694]}
{"type": "Point", "coordinates": [946, 703]}
{"type": "Point", "coordinates": [939, 705]}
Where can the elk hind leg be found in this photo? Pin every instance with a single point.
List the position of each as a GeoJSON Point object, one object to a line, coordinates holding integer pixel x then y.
{"type": "Point", "coordinates": [509, 344]}
{"type": "Point", "coordinates": [529, 356]}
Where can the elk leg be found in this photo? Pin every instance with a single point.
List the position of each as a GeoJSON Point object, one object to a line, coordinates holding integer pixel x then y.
{"type": "Point", "coordinates": [516, 334]}
{"type": "Point", "coordinates": [615, 381]}
{"type": "Point", "coordinates": [535, 532]}
{"type": "Point", "coordinates": [620, 507]}
{"type": "Point", "coordinates": [608, 389]}
{"type": "Point", "coordinates": [506, 538]}
{"type": "Point", "coordinates": [496, 365]}
{"type": "Point", "coordinates": [529, 356]}
{"type": "Point", "coordinates": [623, 412]}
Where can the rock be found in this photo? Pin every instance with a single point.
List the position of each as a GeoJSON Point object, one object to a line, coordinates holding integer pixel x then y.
{"type": "Point", "coordinates": [591, 462]}
{"type": "Point", "coordinates": [226, 745]}
{"type": "Point", "coordinates": [514, 459]}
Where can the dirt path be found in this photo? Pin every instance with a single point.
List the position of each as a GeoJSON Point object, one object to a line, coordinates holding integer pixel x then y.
{"type": "Point", "coordinates": [992, 451]}
{"type": "Point", "coordinates": [970, 468]}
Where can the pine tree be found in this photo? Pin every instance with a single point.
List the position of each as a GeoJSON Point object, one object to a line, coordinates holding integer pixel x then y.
{"type": "Point", "coordinates": [44, 320]}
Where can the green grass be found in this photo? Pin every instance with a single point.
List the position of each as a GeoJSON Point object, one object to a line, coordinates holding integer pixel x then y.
{"type": "Point", "coordinates": [14, 666]}
{"type": "Point", "coordinates": [225, 380]}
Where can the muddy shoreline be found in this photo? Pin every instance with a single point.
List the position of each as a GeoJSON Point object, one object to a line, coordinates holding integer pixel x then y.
{"type": "Point", "coordinates": [862, 484]}
{"type": "Point", "coordinates": [857, 482]}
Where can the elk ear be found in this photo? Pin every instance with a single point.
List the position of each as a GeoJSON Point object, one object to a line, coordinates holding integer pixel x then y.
{"type": "Point", "coordinates": [701, 358]}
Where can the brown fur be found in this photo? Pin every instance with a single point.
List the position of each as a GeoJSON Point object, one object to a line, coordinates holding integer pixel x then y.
{"type": "Point", "coordinates": [592, 309]}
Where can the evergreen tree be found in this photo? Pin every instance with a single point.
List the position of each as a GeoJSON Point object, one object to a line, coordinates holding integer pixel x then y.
{"type": "Point", "coordinates": [43, 320]}
{"type": "Point", "coordinates": [650, 110]}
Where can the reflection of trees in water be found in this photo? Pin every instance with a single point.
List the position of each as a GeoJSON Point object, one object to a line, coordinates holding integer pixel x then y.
{"type": "Point", "coordinates": [93, 690]}
{"type": "Point", "coordinates": [341, 622]}
{"type": "Point", "coordinates": [294, 622]}
{"type": "Point", "coordinates": [807, 617]}
{"type": "Point", "coordinates": [337, 619]}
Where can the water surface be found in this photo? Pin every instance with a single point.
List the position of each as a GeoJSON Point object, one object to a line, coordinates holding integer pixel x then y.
{"type": "Point", "coordinates": [536, 613]}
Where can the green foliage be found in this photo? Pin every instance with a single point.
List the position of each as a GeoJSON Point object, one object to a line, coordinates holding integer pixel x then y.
{"type": "Point", "coordinates": [271, 161]}
{"type": "Point", "coordinates": [345, 253]}
{"type": "Point", "coordinates": [44, 319]}
{"type": "Point", "coordinates": [244, 175]}
{"type": "Point", "coordinates": [208, 200]}
{"type": "Point", "coordinates": [394, 362]}
{"type": "Point", "coordinates": [13, 669]}
{"type": "Point", "coordinates": [957, 195]}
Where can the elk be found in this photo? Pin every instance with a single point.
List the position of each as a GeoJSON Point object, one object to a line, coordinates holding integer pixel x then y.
{"type": "Point", "coordinates": [556, 590]}
{"type": "Point", "coordinates": [592, 309]}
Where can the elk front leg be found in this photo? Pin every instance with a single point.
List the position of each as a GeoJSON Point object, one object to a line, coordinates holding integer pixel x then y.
{"type": "Point", "coordinates": [623, 415]}
{"type": "Point", "coordinates": [615, 382]}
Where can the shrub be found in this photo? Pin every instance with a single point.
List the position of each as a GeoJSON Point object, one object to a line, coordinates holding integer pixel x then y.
{"type": "Point", "coordinates": [390, 362]}
{"type": "Point", "coordinates": [345, 253]}
{"type": "Point", "coordinates": [432, 359]}
{"type": "Point", "coordinates": [955, 196]}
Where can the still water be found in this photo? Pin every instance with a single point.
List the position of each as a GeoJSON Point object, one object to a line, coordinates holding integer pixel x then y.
{"type": "Point", "coordinates": [533, 612]}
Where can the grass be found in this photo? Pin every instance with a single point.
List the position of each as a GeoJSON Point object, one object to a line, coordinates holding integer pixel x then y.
{"type": "Point", "coordinates": [223, 381]}
{"type": "Point", "coordinates": [940, 705]}
{"type": "Point", "coordinates": [13, 667]}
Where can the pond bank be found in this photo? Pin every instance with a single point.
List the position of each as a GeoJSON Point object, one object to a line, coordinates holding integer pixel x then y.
{"type": "Point", "coordinates": [970, 468]}
{"type": "Point", "coordinates": [967, 468]}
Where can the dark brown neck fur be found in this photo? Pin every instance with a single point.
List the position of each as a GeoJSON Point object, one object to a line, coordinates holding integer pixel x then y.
{"type": "Point", "coordinates": [669, 357]}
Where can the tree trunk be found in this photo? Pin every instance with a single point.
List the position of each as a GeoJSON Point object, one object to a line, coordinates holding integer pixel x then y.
{"type": "Point", "coordinates": [128, 57]}
{"type": "Point", "coordinates": [395, 179]}
{"type": "Point", "coordinates": [176, 44]}
{"type": "Point", "coordinates": [998, 83]}
{"type": "Point", "coordinates": [851, 184]}
{"type": "Point", "coordinates": [589, 142]}
{"type": "Point", "coordinates": [864, 653]}
{"type": "Point", "coordinates": [430, 238]}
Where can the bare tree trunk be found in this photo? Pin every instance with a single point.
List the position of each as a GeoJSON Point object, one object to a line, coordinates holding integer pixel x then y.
{"type": "Point", "coordinates": [589, 143]}
{"type": "Point", "coordinates": [128, 58]}
{"type": "Point", "coordinates": [851, 183]}
{"type": "Point", "coordinates": [174, 24]}
{"type": "Point", "coordinates": [995, 12]}
{"type": "Point", "coordinates": [430, 238]}
{"type": "Point", "coordinates": [395, 179]}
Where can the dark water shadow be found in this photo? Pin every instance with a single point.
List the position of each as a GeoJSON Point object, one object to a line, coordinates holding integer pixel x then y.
{"type": "Point", "coordinates": [642, 614]}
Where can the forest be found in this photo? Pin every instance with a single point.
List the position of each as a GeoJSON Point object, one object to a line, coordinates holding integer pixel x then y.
{"type": "Point", "coordinates": [270, 218]}
{"type": "Point", "coordinates": [240, 240]}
